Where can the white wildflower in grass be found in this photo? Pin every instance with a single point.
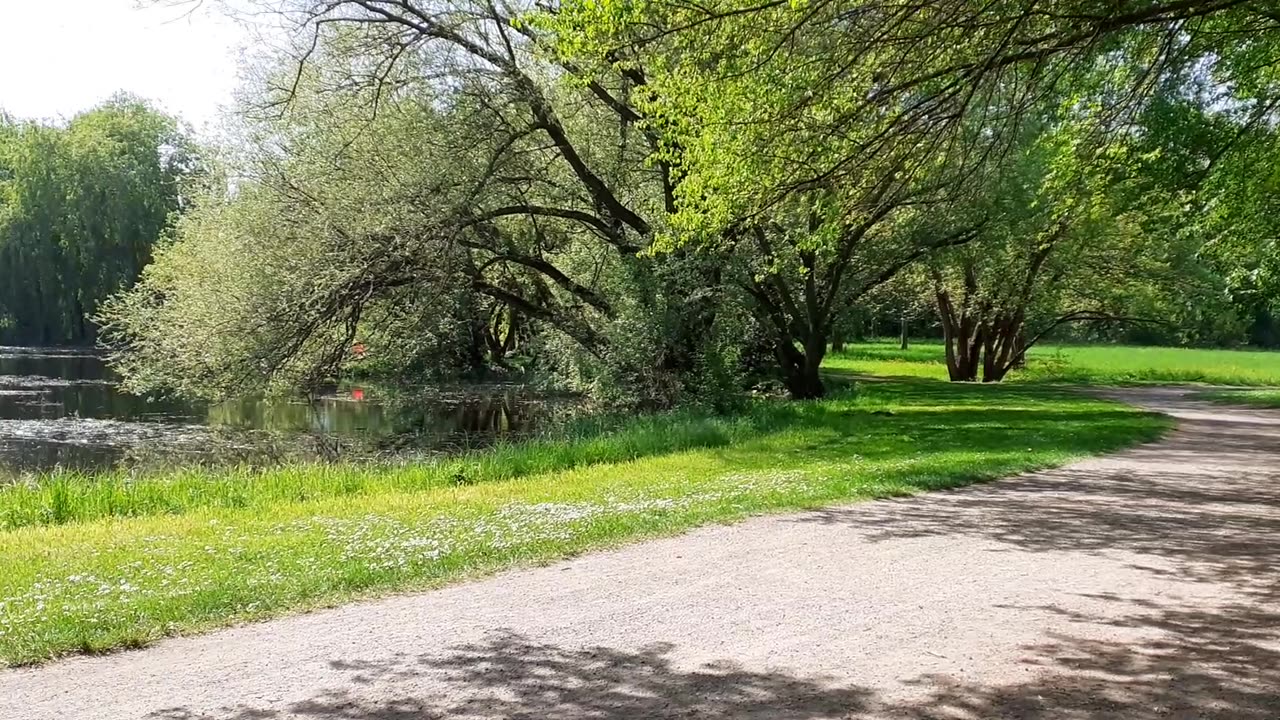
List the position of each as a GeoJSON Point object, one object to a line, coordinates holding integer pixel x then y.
{"type": "Point", "coordinates": [372, 543]}
{"type": "Point", "coordinates": [107, 581]}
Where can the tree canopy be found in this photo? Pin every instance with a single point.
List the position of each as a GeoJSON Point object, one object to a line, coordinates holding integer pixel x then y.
{"type": "Point", "coordinates": [663, 199]}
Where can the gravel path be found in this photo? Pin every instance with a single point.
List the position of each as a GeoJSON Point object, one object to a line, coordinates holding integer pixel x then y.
{"type": "Point", "coordinates": [1143, 585]}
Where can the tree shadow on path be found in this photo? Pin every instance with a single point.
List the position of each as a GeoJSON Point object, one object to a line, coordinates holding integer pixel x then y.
{"type": "Point", "coordinates": [1219, 664]}
{"type": "Point", "coordinates": [1201, 507]}
{"type": "Point", "coordinates": [1206, 665]}
{"type": "Point", "coordinates": [1204, 505]}
{"type": "Point", "coordinates": [511, 676]}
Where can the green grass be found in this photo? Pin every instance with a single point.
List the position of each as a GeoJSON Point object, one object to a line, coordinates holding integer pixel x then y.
{"type": "Point", "coordinates": [1264, 398]}
{"type": "Point", "coordinates": [67, 496]}
{"type": "Point", "coordinates": [120, 562]}
{"type": "Point", "coordinates": [1079, 364]}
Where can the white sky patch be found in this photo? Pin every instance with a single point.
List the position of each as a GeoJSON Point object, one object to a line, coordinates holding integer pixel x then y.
{"type": "Point", "coordinates": [60, 57]}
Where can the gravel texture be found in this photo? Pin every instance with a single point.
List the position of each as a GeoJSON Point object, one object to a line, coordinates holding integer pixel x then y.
{"type": "Point", "coordinates": [1142, 585]}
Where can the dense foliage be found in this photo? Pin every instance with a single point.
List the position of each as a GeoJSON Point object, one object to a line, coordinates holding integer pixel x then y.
{"type": "Point", "coordinates": [81, 207]}
{"type": "Point", "coordinates": [655, 202]}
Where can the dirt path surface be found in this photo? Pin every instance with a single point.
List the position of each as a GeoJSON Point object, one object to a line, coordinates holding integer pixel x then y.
{"type": "Point", "coordinates": [1143, 585]}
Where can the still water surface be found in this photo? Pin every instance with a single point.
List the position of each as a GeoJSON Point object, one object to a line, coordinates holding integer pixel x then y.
{"type": "Point", "coordinates": [62, 408]}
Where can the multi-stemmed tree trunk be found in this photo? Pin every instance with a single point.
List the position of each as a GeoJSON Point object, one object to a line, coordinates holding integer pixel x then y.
{"type": "Point", "coordinates": [501, 333]}
{"type": "Point", "coordinates": [984, 329]}
{"type": "Point", "coordinates": [800, 317]}
{"type": "Point", "coordinates": [1002, 348]}
{"type": "Point", "coordinates": [973, 345]}
{"type": "Point", "coordinates": [961, 326]}
{"type": "Point", "coordinates": [799, 321]}
{"type": "Point", "coordinates": [979, 338]}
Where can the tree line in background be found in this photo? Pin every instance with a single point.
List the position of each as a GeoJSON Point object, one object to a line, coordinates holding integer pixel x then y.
{"type": "Point", "coordinates": [81, 206]}
{"type": "Point", "coordinates": [658, 202]}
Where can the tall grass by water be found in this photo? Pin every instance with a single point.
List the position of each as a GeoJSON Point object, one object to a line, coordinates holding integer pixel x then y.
{"type": "Point", "coordinates": [65, 496]}
{"type": "Point", "coordinates": [1080, 364]}
{"type": "Point", "coordinates": [122, 561]}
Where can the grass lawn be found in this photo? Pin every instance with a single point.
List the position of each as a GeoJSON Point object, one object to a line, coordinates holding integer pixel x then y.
{"type": "Point", "coordinates": [1082, 364]}
{"type": "Point", "coordinates": [92, 564]}
{"type": "Point", "coordinates": [1265, 398]}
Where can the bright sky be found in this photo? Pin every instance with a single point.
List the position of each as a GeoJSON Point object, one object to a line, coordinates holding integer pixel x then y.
{"type": "Point", "coordinates": [58, 57]}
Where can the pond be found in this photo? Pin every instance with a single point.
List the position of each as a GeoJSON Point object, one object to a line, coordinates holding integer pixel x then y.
{"type": "Point", "coordinates": [62, 408]}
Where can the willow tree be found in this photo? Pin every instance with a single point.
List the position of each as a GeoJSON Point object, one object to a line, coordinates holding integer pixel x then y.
{"type": "Point", "coordinates": [320, 230]}
{"type": "Point", "coordinates": [81, 207]}
{"type": "Point", "coordinates": [412, 202]}
{"type": "Point", "coordinates": [551, 204]}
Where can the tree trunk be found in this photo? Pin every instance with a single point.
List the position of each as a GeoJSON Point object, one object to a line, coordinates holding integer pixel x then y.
{"type": "Point", "coordinates": [513, 332]}
{"type": "Point", "coordinates": [905, 345]}
{"type": "Point", "coordinates": [802, 369]}
{"type": "Point", "coordinates": [1020, 350]}
{"type": "Point", "coordinates": [1004, 345]}
{"type": "Point", "coordinates": [493, 337]}
{"type": "Point", "coordinates": [993, 374]}
{"type": "Point", "coordinates": [837, 341]}
{"type": "Point", "coordinates": [993, 369]}
{"type": "Point", "coordinates": [963, 367]}
{"type": "Point", "coordinates": [805, 385]}
{"type": "Point", "coordinates": [961, 338]}
{"type": "Point", "coordinates": [477, 345]}
{"type": "Point", "coordinates": [802, 323]}
{"type": "Point", "coordinates": [804, 381]}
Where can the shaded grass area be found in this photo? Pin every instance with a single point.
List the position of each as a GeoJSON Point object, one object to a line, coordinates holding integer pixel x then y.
{"type": "Point", "coordinates": [1264, 398]}
{"type": "Point", "coordinates": [164, 558]}
{"type": "Point", "coordinates": [1078, 364]}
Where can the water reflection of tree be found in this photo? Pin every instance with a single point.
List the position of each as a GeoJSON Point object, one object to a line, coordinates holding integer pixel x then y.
{"type": "Point", "coordinates": [33, 456]}
{"type": "Point", "coordinates": [391, 421]}
{"type": "Point", "coordinates": [78, 386]}
{"type": "Point", "coordinates": [326, 415]}
{"type": "Point", "coordinates": [393, 424]}
{"type": "Point", "coordinates": [469, 417]}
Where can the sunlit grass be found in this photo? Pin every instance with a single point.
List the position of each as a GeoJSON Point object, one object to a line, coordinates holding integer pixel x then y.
{"type": "Point", "coordinates": [1082, 364]}
{"type": "Point", "coordinates": [1265, 398]}
{"type": "Point", "coordinates": [164, 558]}
{"type": "Point", "coordinates": [64, 496]}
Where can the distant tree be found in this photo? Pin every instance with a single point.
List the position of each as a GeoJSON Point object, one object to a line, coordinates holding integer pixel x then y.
{"type": "Point", "coordinates": [81, 208]}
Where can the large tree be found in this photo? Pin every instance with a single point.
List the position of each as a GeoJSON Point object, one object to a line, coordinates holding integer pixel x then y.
{"type": "Point", "coordinates": [622, 173]}
{"type": "Point", "coordinates": [830, 143]}
{"type": "Point", "coordinates": [1058, 247]}
{"type": "Point", "coordinates": [384, 204]}
{"type": "Point", "coordinates": [545, 194]}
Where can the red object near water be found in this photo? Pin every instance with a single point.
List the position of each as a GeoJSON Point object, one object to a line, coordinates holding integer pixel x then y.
{"type": "Point", "coordinates": [357, 394]}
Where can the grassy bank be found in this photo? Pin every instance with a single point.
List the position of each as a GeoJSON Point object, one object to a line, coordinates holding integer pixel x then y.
{"type": "Point", "coordinates": [67, 496]}
{"type": "Point", "coordinates": [1082, 364]}
{"type": "Point", "coordinates": [122, 565]}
